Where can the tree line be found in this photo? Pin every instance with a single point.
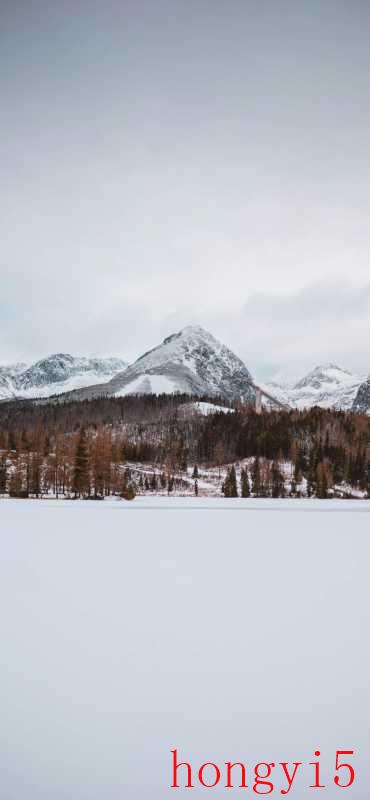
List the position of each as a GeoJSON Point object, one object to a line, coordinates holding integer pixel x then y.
{"type": "Point", "coordinates": [90, 449]}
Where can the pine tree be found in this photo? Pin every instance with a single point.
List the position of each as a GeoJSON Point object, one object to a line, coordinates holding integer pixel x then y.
{"type": "Point", "coordinates": [277, 478]}
{"type": "Point", "coordinates": [184, 460]}
{"type": "Point", "coordinates": [128, 489]}
{"type": "Point", "coordinates": [321, 481]}
{"type": "Point", "coordinates": [195, 472]}
{"type": "Point", "coordinates": [16, 483]}
{"type": "Point", "coordinates": [245, 484]}
{"type": "Point", "coordinates": [256, 477]}
{"type": "Point", "coordinates": [81, 478]}
{"type": "Point", "coordinates": [35, 481]}
{"type": "Point", "coordinates": [230, 488]}
{"type": "Point", "coordinates": [196, 488]}
{"type": "Point", "coordinates": [3, 475]}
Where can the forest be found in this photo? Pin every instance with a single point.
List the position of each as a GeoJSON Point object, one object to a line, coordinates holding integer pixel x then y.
{"type": "Point", "coordinates": [161, 443]}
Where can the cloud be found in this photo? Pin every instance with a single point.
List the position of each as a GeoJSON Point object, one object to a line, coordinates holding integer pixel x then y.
{"type": "Point", "coordinates": [295, 331]}
{"type": "Point", "coordinates": [275, 333]}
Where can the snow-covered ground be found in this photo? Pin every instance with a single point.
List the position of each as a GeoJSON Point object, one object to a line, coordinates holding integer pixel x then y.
{"type": "Point", "coordinates": [205, 409]}
{"type": "Point", "coordinates": [147, 384]}
{"type": "Point", "coordinates": [130, 629]}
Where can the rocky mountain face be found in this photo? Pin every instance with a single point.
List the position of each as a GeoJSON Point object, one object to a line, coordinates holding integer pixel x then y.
{"type": "Point", "coordinates": [8, 374]}
{"type": "Point", "coordinates": [362, 400]}
{"type": "Point", "coordinates": [327, 386]}
{"type": "Point", "coordinates": [190, 361]}
{"type": "Point", "coordinates": [56, 374]}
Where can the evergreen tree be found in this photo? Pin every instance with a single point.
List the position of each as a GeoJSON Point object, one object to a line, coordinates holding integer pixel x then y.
{"type": "Point", "coordinates": [230, 486]}
{"type": "Point", "coordinates": [321, 481]}
{"type": "Point", "coordinates": [80, 479]}
{"type": "Point", "coordinates": [245, 484]}
{"type": "Point", "coordinates": [35, 482]}
{"type": "Point", "coordinates": [184, 460]}
{"type": "Point", "coordinates": [195, 472]}
{"type": "Point", "coordinates": [256, 477]}
{"type": "Point", "coordinates": [128, 489]}
{"type": "Point", "coordinates": [196, 488]}
{"type": "Point", "coordinates": [3, 475]}
{"type": "Point", "coordinates": [16, 483]}
{"type": "Point", "coordinates": [277, 479]}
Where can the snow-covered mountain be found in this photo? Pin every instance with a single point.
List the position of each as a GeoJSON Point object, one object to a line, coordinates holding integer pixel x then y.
{"type": "Point", "coordinates": [56, 374]}
{"type": "Point", "coordinates": [362, 399]}
{"type": "Point", "coordinates": [190, 361]}
{"type": "Point", "coordinates": [8, 374]}
{"type": "Point", "coordinates": [328, 386]}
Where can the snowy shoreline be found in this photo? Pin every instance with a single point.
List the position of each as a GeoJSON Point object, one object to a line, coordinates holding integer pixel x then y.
{"type": "Point", "coordinates": [191, 503]}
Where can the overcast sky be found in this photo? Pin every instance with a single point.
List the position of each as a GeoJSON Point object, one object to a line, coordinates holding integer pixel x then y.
{"type": "Point", "coordinates": [176, 161]}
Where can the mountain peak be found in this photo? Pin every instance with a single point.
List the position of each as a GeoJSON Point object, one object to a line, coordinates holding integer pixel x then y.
{"type": "Point", "coordinates": [190, 361]}
{"type": "Point", "coordinates": [327, 385]}
{"type": "Point", "coordinates": [188, 332]}
{"type": "Point", "coordinates": [324, 374]}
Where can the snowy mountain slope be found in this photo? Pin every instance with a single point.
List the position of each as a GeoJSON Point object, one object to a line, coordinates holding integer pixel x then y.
{"type": "Point", "coordinates": [362, 399]}
{"type": "Point", "coordinates": [327, 386]}
{"type": "Point", "coordinates": [202, 409]}
{"type": "Point", "coordinates": [8, 375]}
{"type": "Point", "coordinates": [191, 361]}
{"type": "Point", "coordinates": [6, 387]}
{"type": "Point", "coordinates": [56, 374]}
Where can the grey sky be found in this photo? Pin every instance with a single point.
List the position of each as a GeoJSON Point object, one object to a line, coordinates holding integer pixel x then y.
{"type": "Point", "coordinates": [172, 162]}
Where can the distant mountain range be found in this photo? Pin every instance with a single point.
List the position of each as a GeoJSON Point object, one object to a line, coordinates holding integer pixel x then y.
{"type": "Point", "coordinates": [190, 361]}
{"type": "Point", "coordinates": [56, 374]}
{"type": "Point", "coordinates": [327, 386]}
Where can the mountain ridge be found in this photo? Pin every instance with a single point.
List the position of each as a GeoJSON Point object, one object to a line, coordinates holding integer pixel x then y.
{"type": "Point", "coordinates": [190, 361]}
{"type": "Point", "coordinates": [327, 386]}
{"type": "Point", "coordinates": [55, 374]}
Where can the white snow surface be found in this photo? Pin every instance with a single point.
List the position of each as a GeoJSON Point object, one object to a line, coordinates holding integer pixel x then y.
{"type": "Point", "coordinates": [205, 409]}
{"type": "Point", "coordinates": [148, 384]}
{"type": "Point", "coordinates": [225, 629]}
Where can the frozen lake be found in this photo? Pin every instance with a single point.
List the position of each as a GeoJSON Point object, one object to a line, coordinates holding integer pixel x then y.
{"type": "Point", "coordinates": [231, 630]}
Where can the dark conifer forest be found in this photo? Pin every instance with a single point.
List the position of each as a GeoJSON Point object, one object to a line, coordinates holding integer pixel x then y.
{"type": "Point", "coordinates": [159, 443]}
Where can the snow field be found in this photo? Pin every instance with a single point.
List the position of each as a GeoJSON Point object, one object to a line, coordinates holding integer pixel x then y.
{"type": "Point", "coordinates": [128, 631]}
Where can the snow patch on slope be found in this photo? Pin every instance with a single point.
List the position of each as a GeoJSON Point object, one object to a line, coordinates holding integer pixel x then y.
{"type": "Point", "coordinates": [148, 384]}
